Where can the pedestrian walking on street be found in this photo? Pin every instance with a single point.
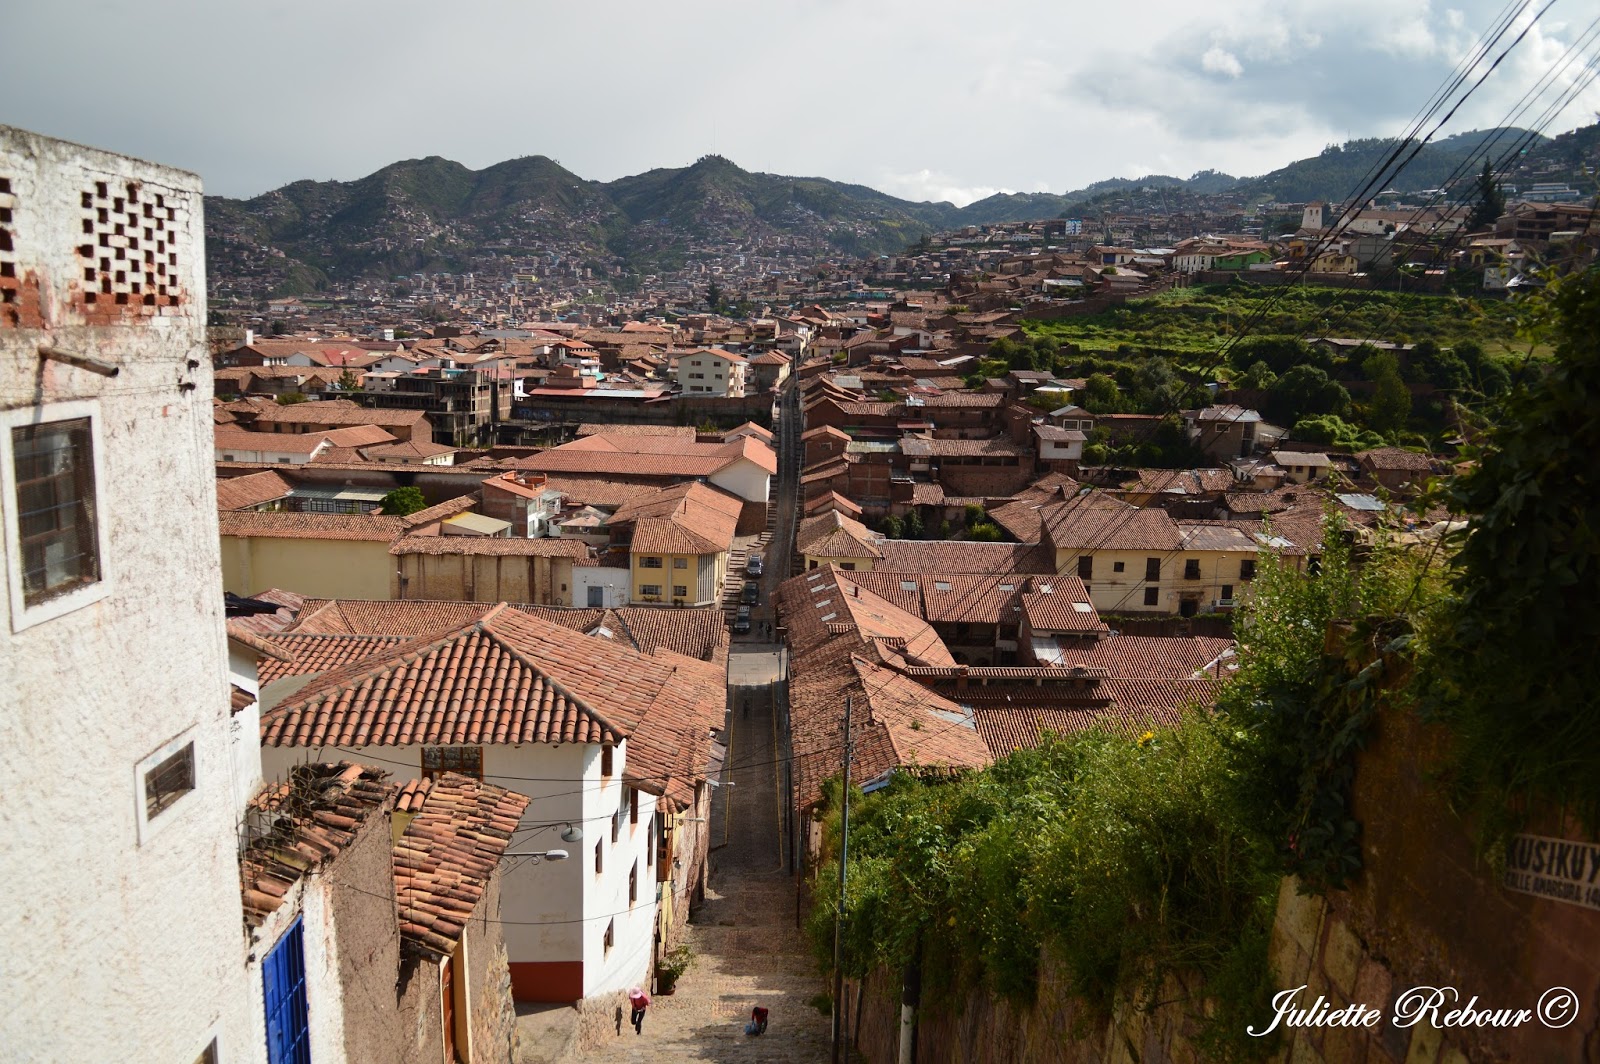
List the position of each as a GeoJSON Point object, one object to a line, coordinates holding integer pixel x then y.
{"type": "Point", "coordinates": [640, 1001]}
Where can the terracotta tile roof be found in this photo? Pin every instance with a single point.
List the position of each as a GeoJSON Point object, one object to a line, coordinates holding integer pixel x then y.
{"type": "Point", "coordinates": [1066, 607]}
{"type": "Point", "coordinates": [589, 428]}
{"type": "Point", "coordinates": [239, 698]}
{"type": "Point", "coordinates": [303, 825]}
{"type": "Point", "coordinates": [370, 527]}
{"type": "Point", "coordinates": [927, 494]}
{"type": "Point", "coordinates": [895, 722]}
{"type": "Point", "coordinates": [439, 511]}
{"type": "Point", "coordinates": [1395, 458]}
{"type": "Point", "coordinates": [656, 456]}
{"type": "Point", "coordinates": [1020, 727]}
{"type": "Point", "coordinates": [668, 751]}
{"type": "Point", "coordinates": [993, 448]}
{"type": "Point", "coordinates": [335, 412]}
{"type": "Point", "coordinates": [1214, 535]}
{"type": "Point", "coordinates": [1096, 521]}
{"type": "Point", "coordinates": [1148, 657]}
{"type": "Point", "coordinates": [412, 794]}
{"type": "Point", "coordinates": [580, 489]}
{"type": "Point", "coordinates": [1182, 481]}
{"type": "Point", "coordinates": [961, 556]}
{"type": "Point", "coordinates": [694, 633]}
{"type": "Point", "coordinates": [499, 546]}
{"type": "Point", "coordinates": [834, 535]}
{"type": "Point", "coordinates": [357, 436]}
{"type": "Point", "coordinates": [253, 638]}
{"type": "Point", "coordinates": [313, 653]}
{"type": "Point", "coordinates": [407, 449]}
{"type": "Point", "coordinates": [252, 489]}
{"type": "Point", "coordinates": [836, 501]}
{"type": "Point", "coordinates": [688, 518]}
{"type": "Point", "coordinates": [826, 602]}
{"type": "Point", "coordinates": [379, 617]}
{"type": "Point", "coordinates": [228, 438]}
{"type": "Point", "coordinates": [444, 862]}
{"type": "Point", "coordinates": [504, 677]}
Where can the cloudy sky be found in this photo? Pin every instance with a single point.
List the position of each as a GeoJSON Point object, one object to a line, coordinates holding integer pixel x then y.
{"type": "Point", "coordinates": [926, 100]}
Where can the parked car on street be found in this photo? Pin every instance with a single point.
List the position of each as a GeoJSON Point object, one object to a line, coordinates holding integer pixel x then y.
{"type": "Point", "coordinates": [741, 620]}
{"type": "Point", "coordinates": [752, 593]}
{"type": "Point", "coordinates": [753, 566]}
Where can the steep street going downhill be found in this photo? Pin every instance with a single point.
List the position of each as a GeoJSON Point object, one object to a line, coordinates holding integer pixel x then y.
{"type": "Point", "coordinates": [747, 949]}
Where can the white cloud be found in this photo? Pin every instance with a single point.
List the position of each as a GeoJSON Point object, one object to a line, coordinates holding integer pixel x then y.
{"type": "Point", "coordinates": [1218, 60]}
{"type": "Point", "coordinates": [936, 186]}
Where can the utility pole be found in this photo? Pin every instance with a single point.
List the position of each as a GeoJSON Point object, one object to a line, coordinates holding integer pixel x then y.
{"type": "Point", "coordinates": [838, 915]}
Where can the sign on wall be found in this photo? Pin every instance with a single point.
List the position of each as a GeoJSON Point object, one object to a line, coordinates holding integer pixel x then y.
{"type": "Point", "coordinates": [1558, 869]}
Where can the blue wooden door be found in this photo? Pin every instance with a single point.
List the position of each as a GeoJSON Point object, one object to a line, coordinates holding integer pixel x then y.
{"type": "Point", "coordinates": [284, 983]}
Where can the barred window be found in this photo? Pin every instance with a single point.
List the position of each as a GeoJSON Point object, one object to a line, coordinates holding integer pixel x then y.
{"type": "Point", "coordinates": [467, 760]}
{"type": "Point", "coordinates": [54, 465]}
{"type": "Point", "coordinates": [169, 780]}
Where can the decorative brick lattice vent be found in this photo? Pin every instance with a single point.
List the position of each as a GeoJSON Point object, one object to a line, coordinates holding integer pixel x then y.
{"type": "Point", "coordinates": [129, 252]}
{"type": "Point", "coordinates": [8, 255]}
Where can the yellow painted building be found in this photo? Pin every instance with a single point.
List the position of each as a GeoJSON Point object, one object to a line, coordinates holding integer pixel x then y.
{"type": "Point", "coordinates": [678, 543]}
{"type": "Point", "coordinates": [317, 555]}
{"type": "Point", "coordinates": [832, 538]}
{"type": "Point", "coordinates": [1135, 560]}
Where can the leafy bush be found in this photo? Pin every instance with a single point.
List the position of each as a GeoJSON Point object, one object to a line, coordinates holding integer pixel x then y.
{"type": "Point", "coordinates": [1506, 659]}
{"type": "Point", "coordinates": [403, 501]}
{"type": "Point", "coordinates": [1128, 859]}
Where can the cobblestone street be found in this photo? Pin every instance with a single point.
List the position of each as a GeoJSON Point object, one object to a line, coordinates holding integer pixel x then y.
{"type": "Point", "coordinates": [747, 950]}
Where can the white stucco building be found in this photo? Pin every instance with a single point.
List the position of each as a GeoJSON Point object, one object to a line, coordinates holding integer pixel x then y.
{"type": "Point", "coordinates": [712, 372]}
{"type": "Point", "coordinates": [604, 739]}
{"type": "Point", "coordinates": [122, 801]}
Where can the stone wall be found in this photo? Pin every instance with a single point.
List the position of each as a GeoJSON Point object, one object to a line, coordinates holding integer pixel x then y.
{"type": "Point", "coordinates": [1428, 911]}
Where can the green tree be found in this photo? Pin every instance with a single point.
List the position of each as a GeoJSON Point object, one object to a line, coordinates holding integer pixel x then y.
{"type": "Point", "coordinates": [1258, 377]}
{"type": "Point", "coordinates": [1490, 203]}
{"type": "Point", "coordinates": [983, 532]}
{"type": "Point", "coordinates": [348, 382]}
{"type": "Point", "coordinates": [892, 527]}
{"type": "Point", "coordinates": [1506, 659]}
{"type": "Point", "coordinates": [1101, 395]}
{"type": "Point", "coordinates": [914, 527]}
{"type": "Point", "coordinates": [714, 296]}
{"type": "Point", "coordinates": [1390, 407]}
{"type": "Point", "coordinates": [291, 398]}
{"type": "Point", "coordinates": [974, 514]}
{"type": "Point", "coordinates": [403, 501]}
{"type": "Point", "coordinates": [1305, 391]}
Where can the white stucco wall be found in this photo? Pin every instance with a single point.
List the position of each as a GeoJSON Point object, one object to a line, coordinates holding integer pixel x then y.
{"type": "Point", "coordinates": [616, 582]}
{"type": "Point", "coordinates": [553, 910]}
{"type": "Point", "coordinates": [126, 944]}
{"type": "Point", "coordinates": [745, 479]}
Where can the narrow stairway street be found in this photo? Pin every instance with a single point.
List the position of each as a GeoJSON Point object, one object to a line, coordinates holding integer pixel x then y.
{"type": "Point", "coordinates": [747, 949]}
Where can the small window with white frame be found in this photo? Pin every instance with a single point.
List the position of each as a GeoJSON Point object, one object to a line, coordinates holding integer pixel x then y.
{"type": "Point", "coordinates": [50, 461]}
{"type": "Point", "coordinates": [162, 780]}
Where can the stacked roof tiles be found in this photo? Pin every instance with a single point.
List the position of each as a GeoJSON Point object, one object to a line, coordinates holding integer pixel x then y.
{"type": "Point", "coordinates": [445, 860]}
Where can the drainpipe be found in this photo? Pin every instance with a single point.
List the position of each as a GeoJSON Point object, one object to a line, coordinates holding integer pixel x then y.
{"type": "Point", "coordinates": [910, 998]}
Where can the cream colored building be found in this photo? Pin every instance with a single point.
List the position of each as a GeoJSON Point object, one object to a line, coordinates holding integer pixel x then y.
{"type": "Point", "coordinates": [678, 544]}
{"type": "Point", "coordinates": [712, 372]}
{"type": "Point", "coordinates": [317, 555]}
{"type": "Point", "coordinates": [1135, 560]}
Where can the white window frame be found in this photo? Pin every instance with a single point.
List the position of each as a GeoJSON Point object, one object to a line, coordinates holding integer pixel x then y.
{"type": "Point", "coordinates": [149, 828]}
{"type": "Point", "coordinates": [22, 615]}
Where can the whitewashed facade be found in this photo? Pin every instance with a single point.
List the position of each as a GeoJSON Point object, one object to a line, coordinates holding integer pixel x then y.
{"type": "Point", "coordinates": [122, 797]}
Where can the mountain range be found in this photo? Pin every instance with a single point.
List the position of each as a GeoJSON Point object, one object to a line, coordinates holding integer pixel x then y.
{"type": "Point", "coordinates": [434, 214]}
